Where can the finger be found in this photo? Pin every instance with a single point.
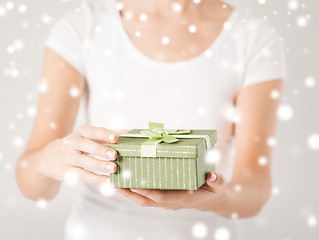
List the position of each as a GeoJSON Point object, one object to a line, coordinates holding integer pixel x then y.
{"type": "Point", "coordinates": [215, 181]}
{"type": "Point", "coordinates": [139, 199]}
{"type": "Point", "coordinates": [91, 163]}
{"type": "Point", "coordinates": [166, 196]}
{"type": "Point", "coordinates": [89, 146]}
{"type": "Point", "coordinates": [98, 134]}
{"type": "Point", "coordinates": [82, 175]}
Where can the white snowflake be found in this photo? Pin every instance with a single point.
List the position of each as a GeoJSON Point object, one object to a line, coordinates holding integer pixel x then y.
{"type": "Point", "coordinates": [212, 156]}
{"type": "Point", "coordinates": [74, 92]}
{"type": "Point", "coordinates": [271, 142]}
{"type": "Point", "coordinates": [285, 112]}
{"type": "Point", "coordinates": [275, 191]}
{"type": "Point", "coordinates": [42, 204]}
{"type": "Point", "coordinates": [208, 53]}
{"type": "Point", "coordinates": [52, 125]}
{"type": "Point", "coordinates": [293, 5]}
{"type": "Point", "coordinates": [234, 215]}
{"type": "Point", "coordinates": [199, 230]}
{"type": "Point", "coordinates": [31, 111]}
{"type": "Point", "coordinates": [238, 187]}
{"type": "Point", "coordinates": [192, 28]}
{"type": "Point", "coordinates": [312, 221]}
{"type": "Point", "coordinates": [119, 6]}
{"type": "Point", "coordinates": [222, 233]}
{"type": "Point", "coordinates": [137, 34]}
{"type": "Point", "coordinates": [128, 15]}
{"type": "Point", "coordinates": [22, 8]}
{"type": "Point", "coordinates": [107, 189]}
{"type": "Point", "coordinates": [43, 87]}
{"type": "Point", "coordinates": [10, 5]}
{"type": "Point", "coordinates": [165, 40]}
{"type": "Point", "coordinates": [10, 49]}
{"type": "Point", "coordinates": [274, 94]}
{"type": "Point", "coordinates": [18, 141]}
{"type": "Point", "coordinates": [302, 21]}
{"type": "Point", "coordinates": [262, 161]}
{"type": "Point", "coordinates": [313, 142]}
{"type": "Point", "coordinates": [262, 2]}
{"type": "Point", "coordinates": [143, 17]}
{"type": "Point", "coordinates": [310, 82]}
{"type": "Point", "coordinates": [71, 178]}
{"type": "Point", "coordinates": [46, 19]}
{"type": "Point", "coordinates": [18, 44]}
{"type": "Point", "coordinates": [177, 7]}
{"type": "Point", "coordinates": [196, 1]}
{"type": "Point", "coordinates": [227, 25]}
{"type": "Point", "coordinates": [126, 174]}
{"type": "Point", "coordinates": [3, 11]}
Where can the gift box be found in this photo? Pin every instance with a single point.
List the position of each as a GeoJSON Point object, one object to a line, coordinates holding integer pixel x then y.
{"type": "Point", "coordinates": [155, 158]}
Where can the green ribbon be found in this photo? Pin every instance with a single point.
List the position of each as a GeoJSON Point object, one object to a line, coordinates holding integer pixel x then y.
{"type": "Point", "coordinates": [158, 134]}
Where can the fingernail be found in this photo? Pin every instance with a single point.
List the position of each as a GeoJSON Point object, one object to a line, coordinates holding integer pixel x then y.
{"type": "Point", "coordinates": [110, 154]}
{"type": "Point", "coordinates": [112, 137]}
{"type": "Point", "coordinates": [110, 167]}
{"type": "Point", "coordinates": [213, 177]}
{"type": "Point", "coordinates": [134, 190]}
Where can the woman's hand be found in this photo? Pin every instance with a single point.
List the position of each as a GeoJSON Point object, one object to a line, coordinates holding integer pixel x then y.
{"type": "Point", "coordinates": [211, 196]}
{"type": "Point", "coordinates": [65, 157]}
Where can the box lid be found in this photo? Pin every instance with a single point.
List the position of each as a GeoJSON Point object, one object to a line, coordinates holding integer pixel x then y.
{"type": "Point", "coordinates": [183, 148]}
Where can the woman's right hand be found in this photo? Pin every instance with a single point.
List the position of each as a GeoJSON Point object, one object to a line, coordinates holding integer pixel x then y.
{"type": "Point", "coordinates": [64, 158]}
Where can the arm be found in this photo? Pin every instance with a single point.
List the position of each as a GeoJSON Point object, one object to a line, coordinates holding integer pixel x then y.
{"type": "Point", "coordinates": [250, 186]}
{"type": "Point", "coordinates": [253, 180]}
{"type": "Point", "coordinates": [48, 156]}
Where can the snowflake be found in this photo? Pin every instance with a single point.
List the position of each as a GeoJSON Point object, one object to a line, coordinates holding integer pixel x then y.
{"type": "Point", "coordinates": [126, 174]}
{"type": "Point", "coordinates": [199, 230]}
{"type": "Point", "coordinates": [119, 6]}
{"type": "Point", "coordinates": [238, 187]}
{"type": "Point", "coordinates": [177, 7]}
{"type": "Point", "coordinates": [274, 94]}
{"type": "Point", "coordinates": [202, 111]}
{"type": "Point", "coordinates": [18, 44]}
{"type": "Point", "coordinates": [262, 161]}
{"type": "Point", "coordinates": [222, 233]}
{"type": "Point", "coordinates": [310, 82]}
{"type": "Point", "coordinates": [71, 178]}
{"type": "Point", "coordinates": [212, 156]}
{"type": "Point", "coordinates": [271, 142]}
{"type": "Point", "coordinates": [46, 19]}
{"type": "Point", "coordinates": [285, 112]}
{"type": "Point", "coordinates": [107, 189]}
{"type": "Point", "coordinates": [312, 221]}
{"type": "Point", "coordinates": [192, 28]}
{"type": "Point", "coordinates": [52, 125]}
{"type": "Point", "coordinates": [234, 215]}
{"type": "Point", "coordinates": [74, 92]}
{"type": "Point", "coordinates": [313, 142]}
{"type": "Point", "coordinates": [22, 8]}
{"type": "Point", "coordinates": [31, 111]}
{"type": "Point", "coordinates": [10, 5]}
{"type": "Point", "coordinates": [302, 21]}
{"type": "Point", "coordinates": [137, 34]}
{"type": "Point", "coordinates": [196, 1]}
{"type": "Point", "coordinates": [165, 40]}
{"type": "Point", "coordinates": [128, 15]}
{"type": "Point", "coordinates": [143, 17]}
{"type": "Point", "coordinates": [18, 141]}
{"type": "Point", "coordinates": [3, 11]}
{"type": "Point", "coordinates": [42, 204]}
{"type": "Point", "coordinates": [262, 2]}
{"type": "Point", "coordinates": [293, 5]}
{"type": "Point", "coordinates": [208, 53]}
{"type": "Point", "coordinates": [227, 25]}
{"type": "Point", "coordinates": [275, 191]}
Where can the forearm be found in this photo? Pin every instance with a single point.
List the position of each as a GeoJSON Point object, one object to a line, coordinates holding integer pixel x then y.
{"type": "Point", "coordinates": [243, 198]}
{"type": "Point", "coordinates": [31, 182]}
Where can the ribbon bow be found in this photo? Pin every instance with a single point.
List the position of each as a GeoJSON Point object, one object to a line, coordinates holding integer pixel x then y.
{"type": "Point", "coordinates": [157, 134]}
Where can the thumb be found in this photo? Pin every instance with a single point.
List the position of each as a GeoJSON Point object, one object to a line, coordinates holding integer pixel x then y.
{"type": "Point", "coordinates": [215, 181]}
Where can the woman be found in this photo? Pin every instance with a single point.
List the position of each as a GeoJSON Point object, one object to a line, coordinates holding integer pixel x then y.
{"type": "Point", "coordinates": [188, 64]}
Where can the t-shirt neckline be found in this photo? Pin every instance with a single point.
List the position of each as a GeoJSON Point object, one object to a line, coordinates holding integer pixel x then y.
{"type": "Point", "coordinates": [137, 52]}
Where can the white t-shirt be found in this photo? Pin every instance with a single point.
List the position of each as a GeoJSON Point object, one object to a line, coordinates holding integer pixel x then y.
{"type": "Point", "coordinates": [127, 89]}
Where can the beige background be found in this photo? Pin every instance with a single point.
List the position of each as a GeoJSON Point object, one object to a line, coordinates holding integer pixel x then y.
{"type": "Point", "coordinates": [293, 211]}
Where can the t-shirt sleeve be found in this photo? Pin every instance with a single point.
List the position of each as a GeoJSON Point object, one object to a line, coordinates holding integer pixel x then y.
{"type": "Point", "coordinates": [265, 59]}
{"type": "Point", "coordinates": [66, 38]}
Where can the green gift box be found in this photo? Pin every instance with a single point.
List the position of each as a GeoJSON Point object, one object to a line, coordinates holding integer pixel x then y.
{"type": "Point", "coordinates": [163, 159]}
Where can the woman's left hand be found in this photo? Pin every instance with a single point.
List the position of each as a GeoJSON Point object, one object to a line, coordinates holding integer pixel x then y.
{"type": "Point", "coordinates": [211, 196]}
